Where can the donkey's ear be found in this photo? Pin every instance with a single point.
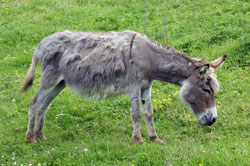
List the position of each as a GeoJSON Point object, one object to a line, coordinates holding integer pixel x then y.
{"type": "Point", "coordinates": [203, 70]}
{"type": "Point", "coordinates": [218, 62]}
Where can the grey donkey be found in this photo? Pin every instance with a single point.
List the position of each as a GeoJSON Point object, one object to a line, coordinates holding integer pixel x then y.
{"type": "Point", "coordinates": [101, 65]}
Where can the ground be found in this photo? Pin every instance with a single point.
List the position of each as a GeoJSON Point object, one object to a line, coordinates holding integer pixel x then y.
{"type": "Point", "coordinates": [82, 132]}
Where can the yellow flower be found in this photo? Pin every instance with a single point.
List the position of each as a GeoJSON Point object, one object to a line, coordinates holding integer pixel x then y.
{"type": "Point", "coordinates": [235, 123]}
{"type": "Point", "coordinates": [189, 116]}
{"type": "Point", "coordinates": [74, 108]}
{"type": "Point", "coordinates": [79, 105]}
{"type": "Point", "coordinates": [153, 91]}
{"type": "Point", "coordinates": [203, 151]}
{"type": "Point", "coordinates": [177, 91]}
{"type": "Point", "coordinates": [164, 99]}
{"type": "Point", "coordinates": [56, 117]}
{"type": "Point", "coordinates": [154, 101]}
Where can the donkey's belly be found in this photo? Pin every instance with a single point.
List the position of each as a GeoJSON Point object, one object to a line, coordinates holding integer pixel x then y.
{"type": "Point", "coordinates": [99, 93]}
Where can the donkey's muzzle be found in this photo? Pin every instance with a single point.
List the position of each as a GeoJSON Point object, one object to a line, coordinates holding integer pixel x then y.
{"type": "Point", "coordinates": [205, 121]}
{"type": "Point", "coordinates": [209, 117]}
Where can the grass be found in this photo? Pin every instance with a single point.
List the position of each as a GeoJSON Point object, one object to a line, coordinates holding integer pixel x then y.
{"type": "Point", "coordinates": [82, 132]}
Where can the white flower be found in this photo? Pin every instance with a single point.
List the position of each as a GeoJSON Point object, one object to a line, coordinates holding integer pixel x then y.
{"type": "Point", "coordinates": [85, 150]}
{"type": "Point", "coordinates": [14, 163]}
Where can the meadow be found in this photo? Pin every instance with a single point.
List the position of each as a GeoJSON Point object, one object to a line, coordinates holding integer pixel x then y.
{"type": "Point", "coordinates": [83, 132]}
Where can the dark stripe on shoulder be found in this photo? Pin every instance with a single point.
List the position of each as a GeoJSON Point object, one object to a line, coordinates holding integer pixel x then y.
{"type": "Point", "coordinates": [131, 44]}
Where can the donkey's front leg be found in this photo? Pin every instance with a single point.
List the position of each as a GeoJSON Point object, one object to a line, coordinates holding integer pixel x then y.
{"type": "Point", "coordinates": [148, 114]}
{"type": "Point", "coordinates": [136, 116]}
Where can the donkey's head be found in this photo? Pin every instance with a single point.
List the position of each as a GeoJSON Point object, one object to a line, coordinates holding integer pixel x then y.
{"type": "Point", "coordinates": [198, 91]}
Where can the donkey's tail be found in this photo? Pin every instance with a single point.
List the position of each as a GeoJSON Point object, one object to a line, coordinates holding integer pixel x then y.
{"type": "Point", "coordinates": [30, 74]}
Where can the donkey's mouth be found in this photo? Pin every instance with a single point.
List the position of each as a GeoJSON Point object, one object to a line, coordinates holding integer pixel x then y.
{"type": "Point", "coordinates": [209, 117]}
{"type": "Point", "coordinates": [206, 122]}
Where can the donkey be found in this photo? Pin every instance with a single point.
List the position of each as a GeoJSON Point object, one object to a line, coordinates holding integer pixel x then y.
{"type": "Point", "coordinates": [97, 66]}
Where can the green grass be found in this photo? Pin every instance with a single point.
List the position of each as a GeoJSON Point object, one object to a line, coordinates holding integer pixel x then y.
{"type": "Point", "coordinates": [95, 133]}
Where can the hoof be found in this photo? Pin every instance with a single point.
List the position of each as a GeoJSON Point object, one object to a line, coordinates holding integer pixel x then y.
{"type": "Point", "coordinates": [41, 136]}
{"type": "Point", "coordinates": [156, 140]}
{"type": "Point", "coordinates": [30, 137]}
{"type": "Point", "coordinates": [159, 141]}
{"type": "Point", "coordinates": [139, 140]}
{"type": "Point", "coordinates": [32, 141]}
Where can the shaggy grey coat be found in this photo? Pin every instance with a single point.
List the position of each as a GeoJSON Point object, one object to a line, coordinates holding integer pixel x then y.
{"type": "Point", "coordinates": [103, 65]}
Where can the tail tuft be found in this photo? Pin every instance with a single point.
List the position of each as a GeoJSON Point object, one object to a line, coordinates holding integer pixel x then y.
{"type": "Point", "coordinates": [30, 75]}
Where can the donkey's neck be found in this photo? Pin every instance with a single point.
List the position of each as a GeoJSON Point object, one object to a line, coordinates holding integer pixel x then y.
{"type": "Point", "coordinates": [169, 65]}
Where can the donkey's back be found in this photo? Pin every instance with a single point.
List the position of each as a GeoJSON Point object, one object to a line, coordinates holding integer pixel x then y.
{"type": "Point", "coordinates": [94, 65]}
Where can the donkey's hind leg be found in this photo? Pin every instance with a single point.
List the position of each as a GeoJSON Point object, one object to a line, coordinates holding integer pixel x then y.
{"type": "Point", "coordinates": [40, 117]}
{"type": "Point", "coordinates": [38, 108]}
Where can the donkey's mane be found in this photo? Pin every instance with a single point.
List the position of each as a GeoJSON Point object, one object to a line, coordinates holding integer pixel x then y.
{"type": "Point", "coordinates": [196, 61]}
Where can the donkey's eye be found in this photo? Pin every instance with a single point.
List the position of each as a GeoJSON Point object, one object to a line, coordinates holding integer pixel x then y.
{"type": "Point", "coordinates": [206, 90]}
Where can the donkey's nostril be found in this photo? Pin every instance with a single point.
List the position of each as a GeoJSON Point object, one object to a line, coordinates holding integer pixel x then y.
{"type": "Point", "coordinates": [214, 120]}
{"type": "Point", "coordinates": [210, 122]}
